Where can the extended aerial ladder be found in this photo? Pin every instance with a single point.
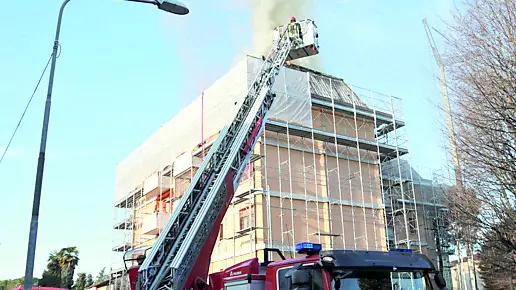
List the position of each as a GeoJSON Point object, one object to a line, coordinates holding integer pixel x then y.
{"type": "Point", "coordinates": [182, 252]}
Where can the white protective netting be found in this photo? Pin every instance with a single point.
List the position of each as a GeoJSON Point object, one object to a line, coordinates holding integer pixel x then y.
{"type": "Point", "coordinates": [221, 101]}
{"type": "Point", "coordinates": [183, 132]}
{"type": "Point", "coordinates": [293, 102]}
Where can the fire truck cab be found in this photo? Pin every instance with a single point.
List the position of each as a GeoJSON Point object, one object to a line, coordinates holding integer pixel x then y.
{"type": "Point", "coordinates": [332, 270]}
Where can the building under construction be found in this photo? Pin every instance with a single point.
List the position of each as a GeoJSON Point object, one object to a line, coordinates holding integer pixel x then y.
{"type": "Point", "coordinates": [331, 167]}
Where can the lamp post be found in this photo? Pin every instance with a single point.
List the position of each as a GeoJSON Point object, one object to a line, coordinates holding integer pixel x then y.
{"type": "Point", "coordinates": [171, 6]}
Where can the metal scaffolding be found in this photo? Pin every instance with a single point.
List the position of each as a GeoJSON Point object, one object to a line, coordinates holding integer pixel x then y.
{"type": "Point", "coordinates": [341, 177]}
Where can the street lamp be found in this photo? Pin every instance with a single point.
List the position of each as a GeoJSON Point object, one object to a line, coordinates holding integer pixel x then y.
{"type": "Point", "coordinates": [172, 6]}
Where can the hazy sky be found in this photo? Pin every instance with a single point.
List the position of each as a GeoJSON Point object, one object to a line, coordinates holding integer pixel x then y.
{"type": "Point", "coordinates": [126, 68]}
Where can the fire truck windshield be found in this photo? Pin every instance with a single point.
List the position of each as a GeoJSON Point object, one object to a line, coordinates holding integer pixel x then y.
{"type": "Point", "coordinates": [384, 280]}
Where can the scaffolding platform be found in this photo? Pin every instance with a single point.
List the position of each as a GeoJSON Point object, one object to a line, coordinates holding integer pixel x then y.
{"type": "Point", "coordinates": [320, 135]}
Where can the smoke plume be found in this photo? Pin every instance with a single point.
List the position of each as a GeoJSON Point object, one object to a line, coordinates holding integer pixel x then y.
{"type": "Point", "coordinates": [268, 14]}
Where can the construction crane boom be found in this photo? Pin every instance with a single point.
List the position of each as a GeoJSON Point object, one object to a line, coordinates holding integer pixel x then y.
{"type": "Point", "coordinates": [451, 136]}
{"type": "Point", "coordinates": [446, 101]}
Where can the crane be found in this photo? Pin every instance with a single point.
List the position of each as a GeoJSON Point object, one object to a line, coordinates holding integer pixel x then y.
{"type": "Point", "coordinates": [451, 133]}
{"type": "Point", "coordinates": [446, 100]}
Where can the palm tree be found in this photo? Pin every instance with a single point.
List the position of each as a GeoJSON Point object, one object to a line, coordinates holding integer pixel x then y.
{"type": "Point", "coordinates": [54, 263]}
{"type": "Point", "coordinates": [52, 274]}
{"type": "Point", "coordinates": [68, 259]}
{"type": "Point", "coordinates": [60, 268]}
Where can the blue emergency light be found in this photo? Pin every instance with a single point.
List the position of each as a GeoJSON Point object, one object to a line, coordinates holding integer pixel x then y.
{"type": "Point", "coordinates": [308, 248]}
{"type": "Point", "coordinates": [401, 250]}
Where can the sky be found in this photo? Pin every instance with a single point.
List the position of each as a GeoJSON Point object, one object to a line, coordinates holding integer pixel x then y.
{"type": "Point", "coordinates": [126, 68]}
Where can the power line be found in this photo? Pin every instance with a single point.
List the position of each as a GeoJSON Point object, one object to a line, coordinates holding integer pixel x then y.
{"type": "Point", "coordinates": [26, 107]}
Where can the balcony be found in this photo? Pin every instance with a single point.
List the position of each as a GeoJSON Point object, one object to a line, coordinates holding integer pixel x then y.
{"type": "Point", "coordinates": [184, 162]}
{"type": "Point", "coordinates": [154, 223]}
{"type": "Point", "coordinates": [125, 224]}
{"type": "Point", "coordinates": [156, 184]}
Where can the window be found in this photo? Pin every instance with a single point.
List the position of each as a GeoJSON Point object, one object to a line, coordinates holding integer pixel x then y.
{"type": "Point", "coordinates": [364, 280]}
{"type": "Point", "coordinates": [316, 273]}
{"type": "Point", "coordinates": [317, 283]}
{"type": "Point", "coordinates": [246, 218]}
{"type": "Point", "coordinates": [221, 232]}
{"type": "Point", "coordinates": [248, 173]}
{"type": "Point", "coordinates": [283, 283]}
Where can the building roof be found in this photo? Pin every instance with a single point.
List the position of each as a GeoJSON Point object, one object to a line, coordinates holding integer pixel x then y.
{"type": "Point", "coordinates": [390, 169]}
{"type": "Point", "coordinates": [99, 284]}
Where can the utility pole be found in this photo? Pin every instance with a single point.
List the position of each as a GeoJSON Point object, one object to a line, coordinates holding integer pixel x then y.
{"type": "Point", "coordinates": [33, 233]}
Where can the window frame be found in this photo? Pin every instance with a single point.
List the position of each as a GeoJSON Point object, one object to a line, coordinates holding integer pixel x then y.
{"type": "Point", "coordinates": [291, 266]}
{"type": "Point", "coordinates": [246, 212]}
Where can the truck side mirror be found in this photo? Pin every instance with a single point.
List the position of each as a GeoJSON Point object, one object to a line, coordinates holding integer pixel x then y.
{"type": "Point", "coordinates": [439, 280]}
{"type": "Point", "coordinates": [301, 280]}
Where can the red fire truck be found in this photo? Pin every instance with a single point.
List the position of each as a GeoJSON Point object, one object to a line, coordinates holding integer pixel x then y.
{"type": "Point", "coordinates": [329, 270]}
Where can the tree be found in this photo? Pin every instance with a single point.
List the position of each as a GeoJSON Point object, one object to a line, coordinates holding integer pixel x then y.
{"type": "Point", "coordinates": [10, 284]}
{"type": "Point", "coordinates": [52, 274]}
{"type": "Point", "coordinates": [60, 268]}
{"type": "Point", "coordinates": [81, 282]}
{"type": "Point", "coordinates": [89, 280]}
{"type": "Point", "coordinates": [481, 66]}
{"type": "Point", "coordinates": [49, 279]}
{"type": "Point", "coordinates": [494, 266]}
{"type": "Point", "coordinates": [68, 260]}
{"type": "Point", "coordinates": [102, 276]}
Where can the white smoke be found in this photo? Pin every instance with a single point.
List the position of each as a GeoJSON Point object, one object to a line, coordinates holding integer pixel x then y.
{"type": "Point", "coordinates": [268, 14]}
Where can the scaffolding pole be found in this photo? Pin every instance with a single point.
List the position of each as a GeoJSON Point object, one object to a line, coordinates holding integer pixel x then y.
{"type": "Point", "coordinates": [379, 157]}
{"type": "Point", "coordinates": [413, 197]}
{"type": "Point", "coordinates": [290, 169]}
{"type": "Point", "coordinates": [316, 187]}
{"type": "Point", "coordinates": [338, 164]}
{"type": "Point", "coordinates": [360, 173]}
{"type": "Point", "coordinates": [280, 179]}
{"type": "Point", "coordinates": [306, 192]}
